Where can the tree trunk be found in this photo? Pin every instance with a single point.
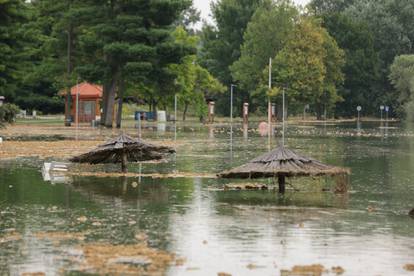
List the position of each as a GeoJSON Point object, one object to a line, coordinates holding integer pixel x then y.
{"type": "Point", "coordinates": [319, 111]}
{"type": "Point", "coordinates": [154, 109]}
{"type": "Point", "coordinates": [282, 184]}
{"type": "Point", "coordinates": [121, 89]}
{"type": "Point", "coordinates": [185, 110]}
{"type": "Point", "coordinates": [104, 102]}
{"type": "Point", "coordinates": [69, 72]}
{"type": "Point", "coordinates": [110, 101]}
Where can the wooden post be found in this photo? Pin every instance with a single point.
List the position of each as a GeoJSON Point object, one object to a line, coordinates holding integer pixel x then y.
{"type": "Point", "coordinates": [282, 180]}
{"type": "Point", "coordinates": [245, 113]}
{"type": "Point", "coordinates": [124, 162]}
{"type": "Point", "coordinates": [211, 112]}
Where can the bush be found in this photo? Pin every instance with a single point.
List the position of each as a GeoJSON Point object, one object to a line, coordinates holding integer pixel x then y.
{"type": "Point", "coordinates": [8, 113]}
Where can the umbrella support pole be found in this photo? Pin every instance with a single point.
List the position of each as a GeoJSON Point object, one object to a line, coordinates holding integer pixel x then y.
{"type": "Point", "coordinates": [124, 163]}
{"type": "Point", "coordinates": [282, 184]}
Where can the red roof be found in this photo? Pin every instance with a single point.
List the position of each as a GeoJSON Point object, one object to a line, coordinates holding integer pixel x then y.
{"type": "Point", "coordinates": [86, 89]}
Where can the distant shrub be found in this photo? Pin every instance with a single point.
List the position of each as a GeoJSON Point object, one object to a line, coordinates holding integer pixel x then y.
{"type": "Point", "coordinates": [44, 104]}
{"type": "Point", "coordinates": [8, 113]}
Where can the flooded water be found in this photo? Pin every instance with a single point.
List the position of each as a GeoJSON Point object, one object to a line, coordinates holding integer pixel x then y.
{"type": "Point", "coordinates": [366, 232]}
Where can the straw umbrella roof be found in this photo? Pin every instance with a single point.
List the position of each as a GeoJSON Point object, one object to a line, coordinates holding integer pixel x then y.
{"type": "Point", "coordinates": [282, 162]}
{"type": "Point", "coordinates": [113, 151]}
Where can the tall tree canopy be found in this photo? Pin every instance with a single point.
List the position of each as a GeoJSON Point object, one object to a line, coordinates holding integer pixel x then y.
{"type": "Point", "coordinates": [220, 44]}
{"type": "Point", "coordinates": [130, 36]}
{"type": "Point", "coordinates": [11, 17]}
{"type": "Point", "coordinates": [266, 35]}
{"type": "Point", "coordinates": [402, 78]}
{"type": "Point", "coordinates": [309, 67]}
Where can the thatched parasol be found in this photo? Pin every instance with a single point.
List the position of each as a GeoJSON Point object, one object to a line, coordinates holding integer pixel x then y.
{"type": "Point", "coordinates": [281, 163]}
{"type": "Point", "coordinates": [121, 150]}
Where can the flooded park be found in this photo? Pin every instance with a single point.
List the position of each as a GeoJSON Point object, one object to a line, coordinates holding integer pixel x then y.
{"type": "Point", "coordinates": [175, 217]}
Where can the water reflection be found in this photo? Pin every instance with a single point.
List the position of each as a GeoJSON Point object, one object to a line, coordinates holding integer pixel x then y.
{"type": "Point", "coordinates": [367, 232]}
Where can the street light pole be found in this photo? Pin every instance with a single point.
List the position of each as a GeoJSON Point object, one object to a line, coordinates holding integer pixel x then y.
{"type": "Point", "coordinates": [269, 104]}
{"type": "Point", "coordinates": [231, 102]}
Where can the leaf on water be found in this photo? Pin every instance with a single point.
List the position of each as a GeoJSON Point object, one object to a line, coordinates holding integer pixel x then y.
{"type": "Point", "coordinates": [82, 219]}
{"type": "Point", "coordinates": [10, 237]}
{"type": "Point", "coordinates": [338, 270]}
{"type": "Point", "coordinates": [409, 267]}
{"type": "Point", "coordinates": [80, 236]}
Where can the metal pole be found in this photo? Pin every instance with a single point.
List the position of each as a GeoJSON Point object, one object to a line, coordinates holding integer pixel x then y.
{"type": "Point", "coordinates": [175, 107]}
{"type": "Point", "coordinates": [231, 103]}
{"type": "Point", "coordinates": [269, 104]}
{"type": "Point", "coordinates": [283, 118]}
{"type": "Point", "coordinates": [77, 105]}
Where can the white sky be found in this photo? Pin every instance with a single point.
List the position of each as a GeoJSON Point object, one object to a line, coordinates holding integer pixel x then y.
{"type": "Point", "coordinates": [204, 7]}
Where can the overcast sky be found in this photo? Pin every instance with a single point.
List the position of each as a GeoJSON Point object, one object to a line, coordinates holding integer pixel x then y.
{"type": "Point", "coordinates": [204, 7]}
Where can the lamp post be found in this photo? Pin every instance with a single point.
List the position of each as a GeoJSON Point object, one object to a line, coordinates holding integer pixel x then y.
{"type": "Point", "coordinates": [231, 102]}
{"type": "Point", "coordinates": [269, 105]}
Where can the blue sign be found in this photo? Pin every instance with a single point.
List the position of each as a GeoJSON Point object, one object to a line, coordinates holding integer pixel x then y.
{"type": "Point", "coordinates": [387, 108]}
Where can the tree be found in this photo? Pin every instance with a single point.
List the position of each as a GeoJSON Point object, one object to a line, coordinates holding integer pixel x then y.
{"type": "Point", "coordinates": [361, 67]}
{"type": "Point", "coordinates": [323, 7]}
{"type": "Point", "coordinates": [402, 78]}
{"type": "Point", "coordinates": [131, 36]}
{"type": "Point", "coordinates": [220, 44]}
{"type": "Point", "coordinates": [391, 23]}
{"type": "Point", "coordinates": [193, 83]}
{"type": "Point", "coordinates": [265, 36]}
{"type": "Point", "coordinates": [11, 16]}
{"type": "Point", "coordinates": [51, 49]}
{"type": "Point", "coordinates": [308, 67]}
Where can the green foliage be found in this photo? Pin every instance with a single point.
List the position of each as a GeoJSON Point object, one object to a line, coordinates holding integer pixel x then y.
{"type": "Point", "coordinates": [266, 34]}
{"type": "Point", "coordinates": [8, 113]}
{"type": "Point", "coordinates": [361, 64]}
{"type": "Point", "coordinates": [11, 16]}
{"type": "Point", "coordinates": [193, 83]}
{"type": "Point", "coordinates": [402, 78]}
{"type": "Point", "coordinates": [309, 66]}
{"type": "Point", "coordinates": [221, 44]}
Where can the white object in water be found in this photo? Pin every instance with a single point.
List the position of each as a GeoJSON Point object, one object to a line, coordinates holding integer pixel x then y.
{"type": "Point", "coordinates": [1, 140]}
{"type": "Point", "coordinates": [161, 116]}
{"type": "Point", "coordinates": [55, 167]}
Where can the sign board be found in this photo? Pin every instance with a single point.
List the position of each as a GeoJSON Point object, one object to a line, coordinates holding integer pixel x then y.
{"type": "Point", "coordinates": [359, 108]}
{"type": "Point", "coordinates": [387, 108]}
{"type": "Point", "coordinates": [382, 107]}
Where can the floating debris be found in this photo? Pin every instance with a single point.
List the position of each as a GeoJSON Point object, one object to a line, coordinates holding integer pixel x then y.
{"type": "Point", "coordinates": [33, 274]}
{"type": "Point", "coordinates": [245, 187]}
{"type": "Point", "coordinates": [223, 274]}
{"type": "Point", "coordinates": [82, 219]}
{"type": "Point", "coordinates": [10, 237]}
{"type": "Point", "coordinates": [149, 175]}
{"type": "Point", "coordinates": [409, 267]}
{"type": "Point", "coordinates": [312, 270]}
{"type": "Point", "coordinates": [305, 270]}
{"type": "Point", "coordinates": [60, 236]}
{"type": "Point", "coordinates": [134, 259]}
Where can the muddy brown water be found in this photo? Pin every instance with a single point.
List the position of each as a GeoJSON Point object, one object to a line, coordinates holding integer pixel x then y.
{"type": "Point", "coordinates": [366, 232]}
